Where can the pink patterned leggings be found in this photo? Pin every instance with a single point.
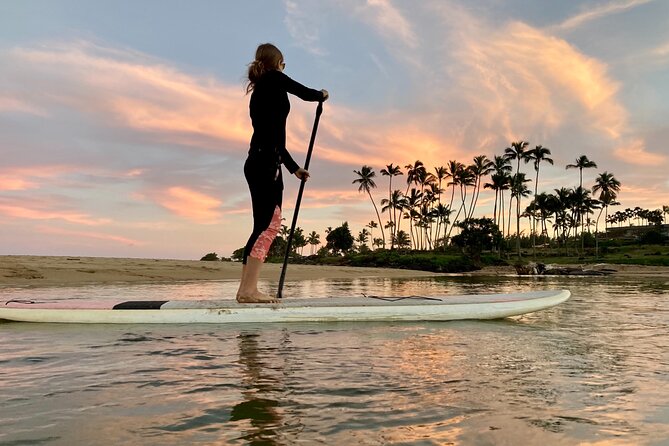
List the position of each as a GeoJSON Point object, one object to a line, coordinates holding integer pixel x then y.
{"type": "Point", "coordinates": [262, 244]}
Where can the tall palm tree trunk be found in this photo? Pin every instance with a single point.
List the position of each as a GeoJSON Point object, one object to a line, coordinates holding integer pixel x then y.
{"type": "Point", "coordinates": [383, 235]}
{"type": "Point", "coordinates": [518, 225]}
{"type": "Point", "coordinates": [534, 220]}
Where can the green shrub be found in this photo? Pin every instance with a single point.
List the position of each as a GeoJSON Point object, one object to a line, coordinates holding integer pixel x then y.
{"type": "Point", "coordinates": [211, 257]}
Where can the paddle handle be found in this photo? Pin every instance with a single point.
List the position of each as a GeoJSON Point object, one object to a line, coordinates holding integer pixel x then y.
{"type": "Point", "coordinates": [289, 243]}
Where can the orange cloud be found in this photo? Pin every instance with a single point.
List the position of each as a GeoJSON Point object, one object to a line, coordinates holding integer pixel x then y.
{"type": "Point", "coordinates": [191, 204]}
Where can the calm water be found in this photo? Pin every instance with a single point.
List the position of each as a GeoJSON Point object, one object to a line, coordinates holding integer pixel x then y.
{"type": "Point", "coordinates": [594, 370]}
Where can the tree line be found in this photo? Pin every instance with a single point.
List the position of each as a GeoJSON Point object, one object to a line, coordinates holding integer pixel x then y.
{"type": "Point", "coordinates": [424, 215]}
{"type": "Point", "coordinates": [434, 205]}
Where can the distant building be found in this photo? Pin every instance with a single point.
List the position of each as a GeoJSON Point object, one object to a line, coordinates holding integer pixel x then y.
{"type": "Point", "coordinates": [634, 232]}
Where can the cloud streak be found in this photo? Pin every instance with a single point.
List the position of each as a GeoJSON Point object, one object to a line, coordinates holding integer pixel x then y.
{"type": "Point", "coordinates": [128, 89]}
{"type": "Point", "coordinates": [389, 22]}
{"type": "Point", "coordinates": [302, 27]}
{"type": "Point", "coordinates": [598, 12]}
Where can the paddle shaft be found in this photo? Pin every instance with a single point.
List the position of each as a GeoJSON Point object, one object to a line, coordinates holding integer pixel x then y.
{"type": "Point", "coordinates": [319, 110]}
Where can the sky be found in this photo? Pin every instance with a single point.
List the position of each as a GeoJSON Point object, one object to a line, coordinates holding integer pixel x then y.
{"type": "Point", "coordinates": [124, 125]}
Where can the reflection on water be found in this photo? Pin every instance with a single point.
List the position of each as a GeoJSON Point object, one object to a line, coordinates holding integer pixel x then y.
{"type": "Point", "coordinates": [591, 371]}
{"type": "Point", "coordinates": [258, 386]}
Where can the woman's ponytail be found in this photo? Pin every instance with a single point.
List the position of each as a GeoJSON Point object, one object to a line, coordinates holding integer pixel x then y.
{"type": "Point", "coordinates": [268, 58]}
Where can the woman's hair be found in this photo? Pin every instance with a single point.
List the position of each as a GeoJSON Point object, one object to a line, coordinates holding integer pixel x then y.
{"type": "Point", "coordinates": [268, 58]}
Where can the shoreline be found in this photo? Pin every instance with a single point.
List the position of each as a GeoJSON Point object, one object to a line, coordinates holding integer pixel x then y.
{"type": "Point", "coordinates": [46, 271]}
{"type": "Point", "coordinates": [49, 271]}
{"type": "Point", "coordinates": [620, 270]}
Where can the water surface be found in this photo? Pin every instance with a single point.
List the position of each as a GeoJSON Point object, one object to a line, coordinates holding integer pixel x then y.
{"type": "Point", "coordinates": [594, 370]}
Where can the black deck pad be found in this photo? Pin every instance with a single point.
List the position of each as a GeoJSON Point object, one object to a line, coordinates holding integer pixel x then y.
{"type": "Point", "coordinates": [140, 305]}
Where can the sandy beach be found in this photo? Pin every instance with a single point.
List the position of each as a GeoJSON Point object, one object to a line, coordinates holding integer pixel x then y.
{"type": "Point", "coordinates": [71, 271]}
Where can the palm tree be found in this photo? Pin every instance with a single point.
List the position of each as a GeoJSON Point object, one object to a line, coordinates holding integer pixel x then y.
{"type": "Point", "coordinates": [517, 152]}
{"type": "Point", "coordinates": [299, 241]}
{"type": "Point", "coordinates": [562, 203]}
{"type": "Point", "coordinates": [500, 180]}
{"type": "Point", "coordinates": [499, 183]}
{"type": "Point", "coordinates": [314, 240]}
{"type": "Point", "coordinates": [538, 155]}
{"type": "Point", "coordinates": [413, 173]}
{"type": "Point", "coordinates": [391, 171]}
{"type": "Point", "coordinates": [465, 177]}
{"type": "Point", "coordinates": [402, 240]}
{"type": "Point", "coordinates": [363, 237]}
{"type": "Point", "coordinates": [481, 167]}
{"type": "Point", "coordinates": [453, 169]}
{"type": "Point", "coordinates": [441, 174]}
{"type": "Point", "coordinates": [413, 201]}
{"type": "Point", "coordinates": [366, 182]}
{"type": "Point", "coordinates": [544, 207]}
{"type": "Point", "coordinates": [371, 225]}
{"type": "Point", "coordinates": [395, 204]}
{"type": "Point", "coordinates": [605, 200]}
{"type": "Point", "coordinates": [582, 162]}
{"type": "Point", "coordinates": [608, 187]}
{"type": "Point", "coordinates": [441, 212]}
{"type": "Point", "coordinates": [518, 190]}
{"type": "Point", "coordinates": [583, 205]}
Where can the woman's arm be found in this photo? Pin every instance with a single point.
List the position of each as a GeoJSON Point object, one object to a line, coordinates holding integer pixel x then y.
{"type": "Point", "coordinates": [299, 90]}
{"type": "Point", "coordinates": [288, 161]}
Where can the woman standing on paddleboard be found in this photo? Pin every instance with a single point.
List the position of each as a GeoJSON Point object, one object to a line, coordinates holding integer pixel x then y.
{"type": "Point", "coordinates": [269, 108]}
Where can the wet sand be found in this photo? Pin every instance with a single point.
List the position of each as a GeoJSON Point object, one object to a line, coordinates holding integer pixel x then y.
{"type": "Point", "coordinates": [72, 271]}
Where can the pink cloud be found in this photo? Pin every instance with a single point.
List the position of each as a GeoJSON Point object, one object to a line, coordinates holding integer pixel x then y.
{"type": "Point", "coordinates": [27, 213]}
{"type": "Point", "coordinates": [89, 235]}
{"type": "Point", "coordinates": [136, 91]}
{"type": "Point", "coordinates": [190, 204]}
{"type": "Point", "coordinates": [15, 183]}
{"type": "Point", "coordinates": [33, 177]}
{"type": "Point", "coordinates": [16, 105]}
{"type": "Point", "coordinates": [635, 153]}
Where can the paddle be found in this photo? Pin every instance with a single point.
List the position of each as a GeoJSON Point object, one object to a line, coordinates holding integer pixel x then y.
{"type": "Point", "coordinates": [319, 110]}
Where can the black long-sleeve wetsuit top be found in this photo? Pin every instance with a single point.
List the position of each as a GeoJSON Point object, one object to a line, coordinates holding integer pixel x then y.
{"type": "Point", "coordinates": [269, 108]}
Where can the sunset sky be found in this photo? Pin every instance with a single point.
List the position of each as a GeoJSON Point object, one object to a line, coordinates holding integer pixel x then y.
{"type": "Point", "coordinates": [124, 125]}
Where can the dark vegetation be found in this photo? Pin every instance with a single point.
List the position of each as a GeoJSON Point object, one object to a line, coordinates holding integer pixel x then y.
{"type": "Point", "coordinates": [431, 224]}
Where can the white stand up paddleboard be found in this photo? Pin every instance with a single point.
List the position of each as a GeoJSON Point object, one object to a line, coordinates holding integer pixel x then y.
{"type": "Point", "coordinates": [414, 308]}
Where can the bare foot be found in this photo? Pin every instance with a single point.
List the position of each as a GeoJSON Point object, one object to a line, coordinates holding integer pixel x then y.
{"type": "Point", "coordinates": [256, 298]}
